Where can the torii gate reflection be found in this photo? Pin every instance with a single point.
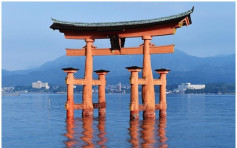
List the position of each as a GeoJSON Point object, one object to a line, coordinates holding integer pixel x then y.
{"type": "Point", "coordinates": [117, 32]}
{"type": "Point", "coordinates": [145, 133]}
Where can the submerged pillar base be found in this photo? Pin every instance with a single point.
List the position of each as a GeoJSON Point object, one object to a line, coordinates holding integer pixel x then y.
{"type": "Point", "coordinates": [102, 112]}
{"type": "Point", "coordinates": [162, 113]}
{"type": "Point", "coordinates": [134, 114]}
{"type": "Point", "coordinates": [70, 113]}
{"type": "Point", "coordinates": [149, 114]}
{"type": "Point", "coordinates": [87, 112]}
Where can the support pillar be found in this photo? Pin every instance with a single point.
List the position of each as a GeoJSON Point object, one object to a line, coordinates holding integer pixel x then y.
{"type": "Point", "coordinates": [101, 74]}
{"type": "Point", "coordinates": [163, 104]}
{"type": "Point", "coordinates": [148, 93]}
{"type": "Point", "coordinates": [134, 103]}
{"type": "Point", "coordinates": [87, 88]}
{"type": "Point", "coordinates": [70, 81]}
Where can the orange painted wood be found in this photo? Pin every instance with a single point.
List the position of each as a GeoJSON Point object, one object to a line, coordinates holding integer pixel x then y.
{"type": "Point", "coordinates": [163, 103]}
{"type": "Point", "coordinates": [78, 106]}
{"type": "Point", "coordinates": [75, 52]}
{"type": "Point", "coordinates": [157, 106]}
{"type": "Point", "coordinates": [79, 81]}
{"type": "Point", "coordinates": [83, 82]}
{"type": "Point", "coordinates": [70, 101]}
{"type": "Point", "coordinates": [123, 51]}
{"type": "Point", "coordinates": [142, 107]}
{"type": "Point", "coordinates": [134, 100]}
{"type": "Point", "coordinates": [87, 88]}
{"type": "Point", "coordinates": [157, 82]}
{"type": "Point", "coordinates": [101, 93]}
{"type": "Point", "coordinates": [141, 81]}
{"type": "Point", "coordinates": [96, 82]}
{"type": "Point", "coordinates": [148, 92]}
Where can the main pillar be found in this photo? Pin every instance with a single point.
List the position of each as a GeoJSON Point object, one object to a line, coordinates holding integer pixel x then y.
{"type": "Point", "coordinates": [87, 88]}
{"type": "Point", "coordinates": [148, 93]}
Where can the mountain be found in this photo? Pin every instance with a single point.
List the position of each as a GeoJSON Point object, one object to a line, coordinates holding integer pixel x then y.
{"type": "Point", "coordinates": [184, 68]}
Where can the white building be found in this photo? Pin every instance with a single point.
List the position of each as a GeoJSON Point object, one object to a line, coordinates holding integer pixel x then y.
{"type": "Point", "coordinates": [184, 86]}
{"type": "Point", "coordinates": [119, 86]}
{"type": "Point", "coordinates": [39, 85]}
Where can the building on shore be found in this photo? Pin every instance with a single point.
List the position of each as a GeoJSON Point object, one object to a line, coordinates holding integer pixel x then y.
{"type": "Point", "coordinates": [184, 86]}
{"type": "Point", "coordinates": [40, 84]}
{"type": "Point", "coordinates": [119, 86]}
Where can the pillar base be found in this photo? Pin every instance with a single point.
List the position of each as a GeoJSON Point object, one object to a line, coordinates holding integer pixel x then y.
{"type": "Point", "coordinates": [86, 112]}
{"type": "Point", "coordinates": [162, 113]}
{"type": "Point", "coordinates": [149, 114]}
{"type": "Point", "coordinates": [70, 113]}
{"type": "Point", "coordinates": [102, 112]}
{"type": "Point", "coordinates": [134, 114]}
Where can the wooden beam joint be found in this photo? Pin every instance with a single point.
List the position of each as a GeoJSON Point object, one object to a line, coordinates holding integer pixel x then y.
{"type": "Point", "coordinates": [157, 82]}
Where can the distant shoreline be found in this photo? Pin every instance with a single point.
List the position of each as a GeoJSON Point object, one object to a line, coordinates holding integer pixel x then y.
{"type": "Point", "coordinates": [17, 94]}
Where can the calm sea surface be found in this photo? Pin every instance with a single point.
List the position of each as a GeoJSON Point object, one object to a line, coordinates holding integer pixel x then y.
{"type": "Point", "coordinates": [38, 121]}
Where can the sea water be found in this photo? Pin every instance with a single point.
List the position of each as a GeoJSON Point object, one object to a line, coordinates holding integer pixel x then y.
{"type": "Point", "coordinates": [39, 120]}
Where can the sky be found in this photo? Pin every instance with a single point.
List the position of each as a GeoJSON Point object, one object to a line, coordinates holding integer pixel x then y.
{"type": "Point", "coordinates": [27, 40]}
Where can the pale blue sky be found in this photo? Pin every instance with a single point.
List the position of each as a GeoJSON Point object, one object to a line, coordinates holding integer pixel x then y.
{"type": "Point", "coordinates": [28, 41]}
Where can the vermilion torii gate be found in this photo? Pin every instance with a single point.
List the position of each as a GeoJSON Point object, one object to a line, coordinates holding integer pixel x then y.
{"type": "Point", "coordinates": [117, 32]}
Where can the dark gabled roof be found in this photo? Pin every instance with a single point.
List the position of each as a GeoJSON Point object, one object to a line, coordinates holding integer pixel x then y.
{"type": "Point", "coordinates": [69, 68]}
{"type": "Point", "coordinates": [57, 24]}
{"type": "Point", "coordinates": [101, 70]}
{"type": "Point", "coordinates": [162, 69]}
{"type": "Point", "coordinates": [133, 67]}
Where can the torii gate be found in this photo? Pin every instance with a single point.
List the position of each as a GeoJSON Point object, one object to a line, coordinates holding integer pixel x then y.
{"type": "Point", "coordinates": [117, 32]}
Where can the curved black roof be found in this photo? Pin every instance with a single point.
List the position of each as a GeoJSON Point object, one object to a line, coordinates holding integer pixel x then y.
{"type": "Point", "coordinates": [57, 24]}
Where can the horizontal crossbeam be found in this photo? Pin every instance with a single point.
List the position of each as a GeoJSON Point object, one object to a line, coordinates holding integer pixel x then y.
{"type": "Point", "coordinates": [143, 107]}
{"type": "Point", "coordinates": [123, 51]}
{"type": "Point", "coordinates": [84, 82]}
{"type": "Point", "coordinates": [157, 82]}
{"type": "Point", "coordinates": [95, 105]}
